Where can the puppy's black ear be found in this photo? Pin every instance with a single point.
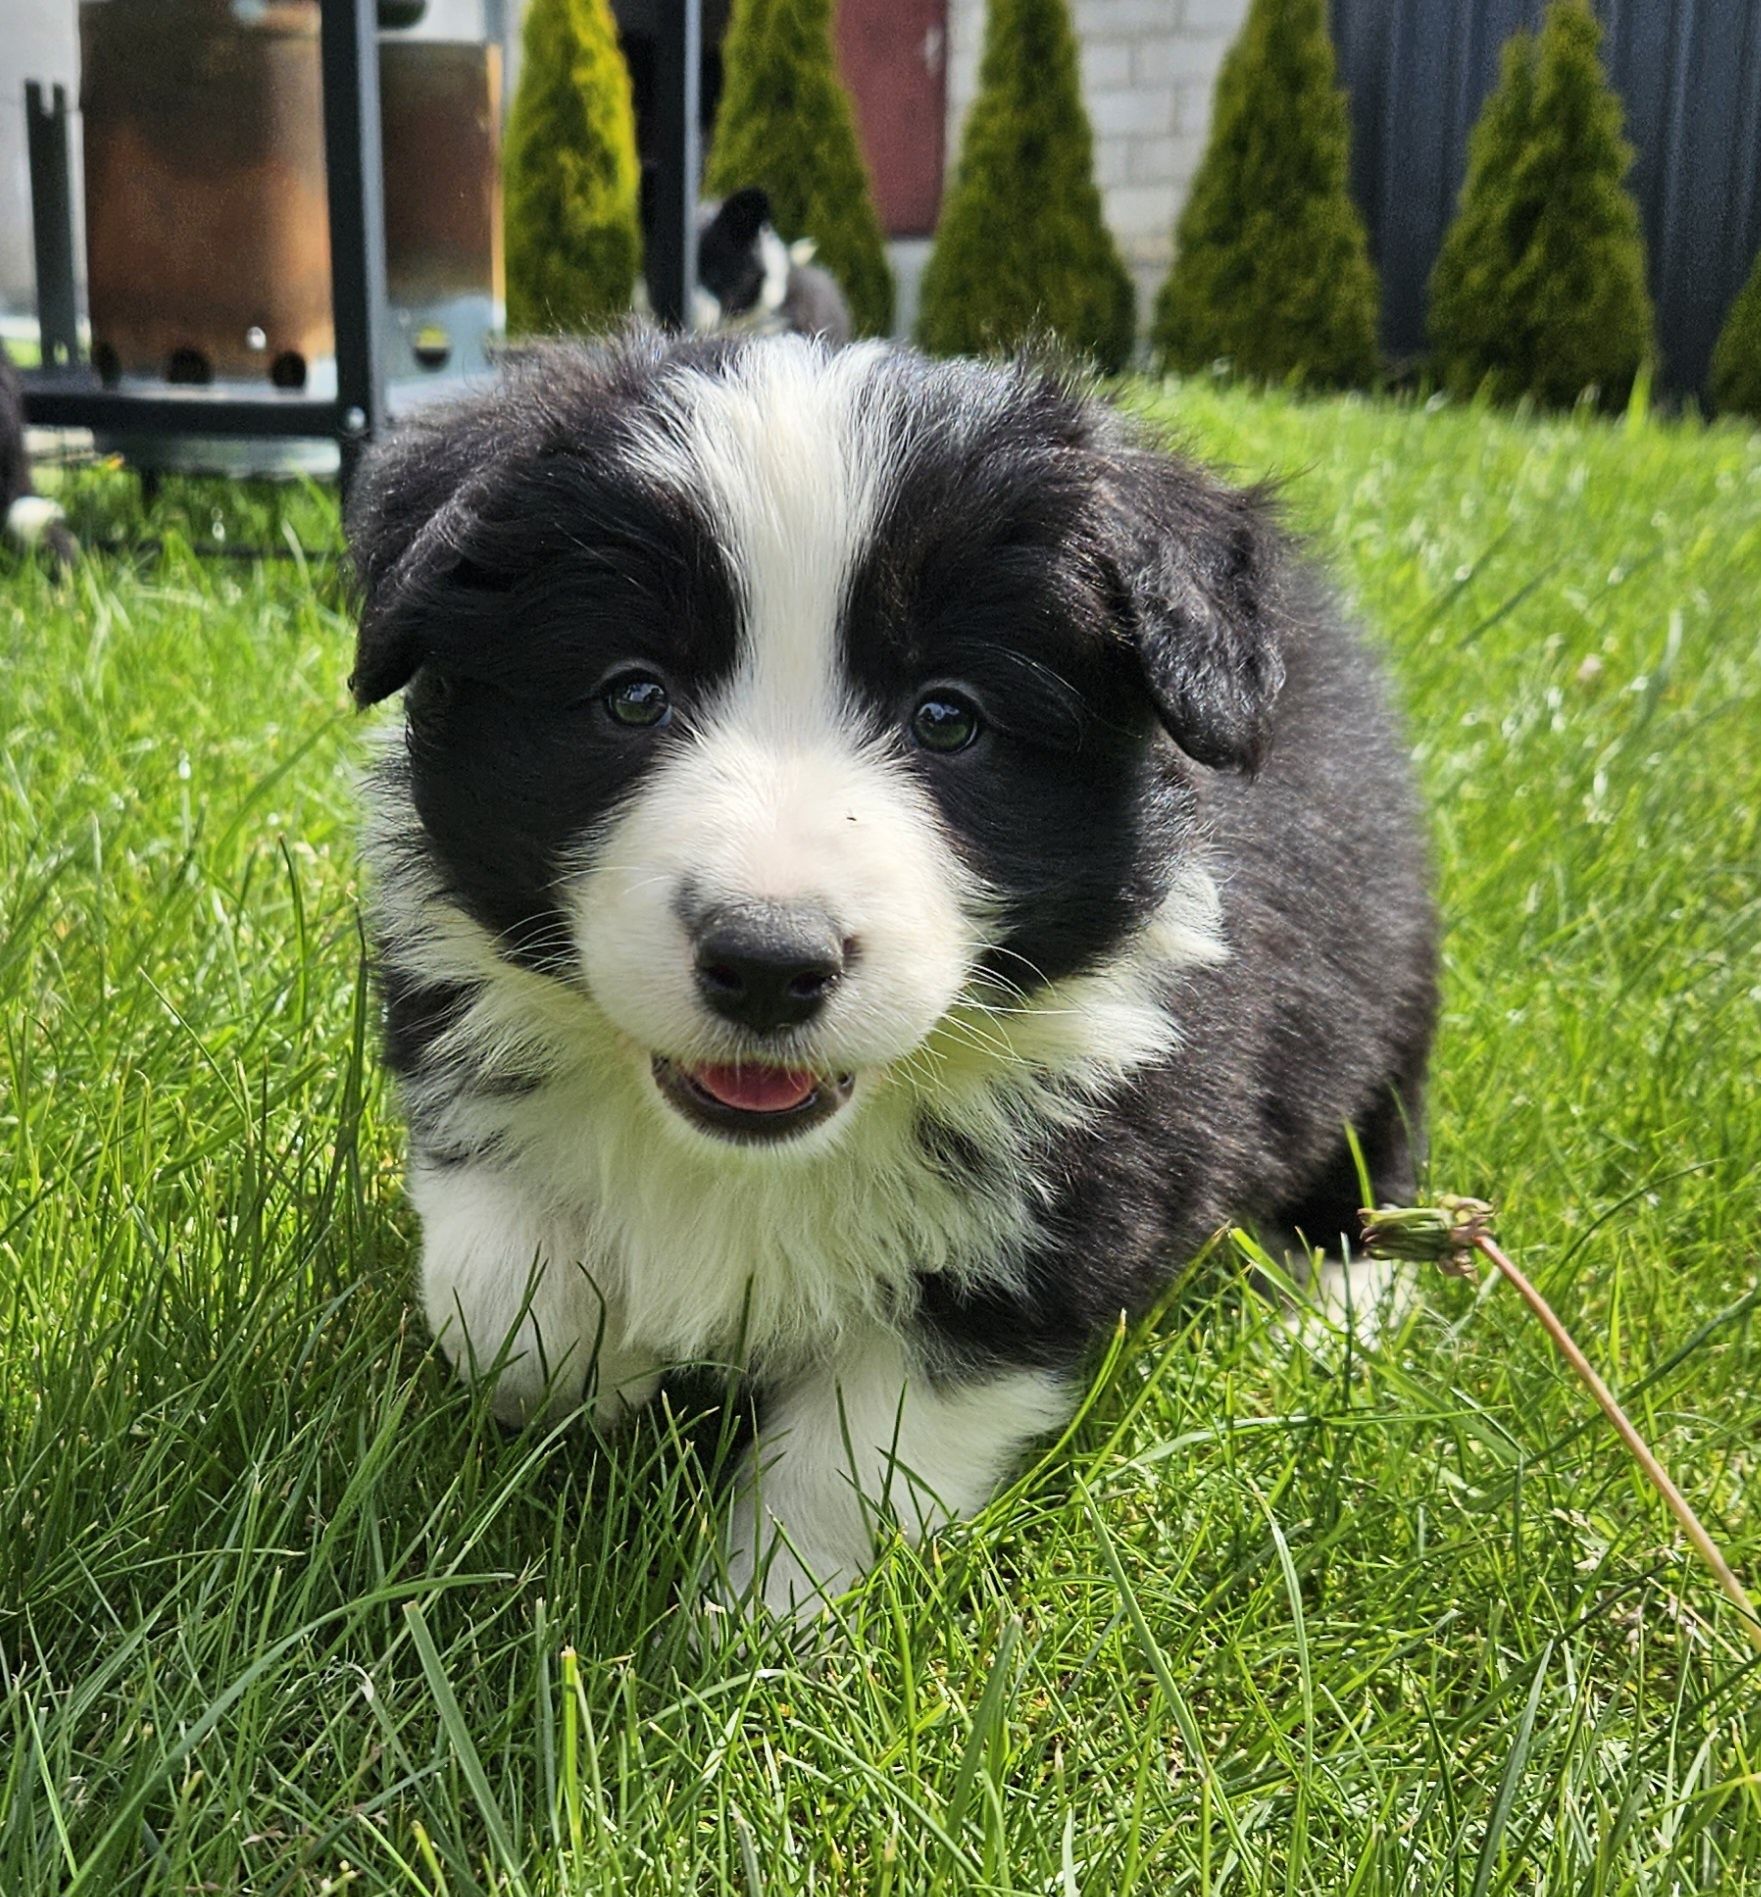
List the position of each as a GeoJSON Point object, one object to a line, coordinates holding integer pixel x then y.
{"type": "Point", "coordinates": [744, 214]}
{"type": "Point", "coordinates": [1204, 570]}
{"type": "Point", "coordinates": [409, 514]}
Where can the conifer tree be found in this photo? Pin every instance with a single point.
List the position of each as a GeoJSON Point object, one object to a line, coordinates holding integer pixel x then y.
{"type": "Point", "coordinates": [1539, 288]}
{"type": "Point", "coordinates": [1023, 248]}
{"type": "Point", "coordinates": [785, 122]}
{"type": "Point", "coordinates": [1271, 263]}
{"type": "Point", "coordinates": [1483, 246]}
{"type": "Point", "coordinates": [1736, 361]}
{"type": "Point", "coordinates": [573, 241]}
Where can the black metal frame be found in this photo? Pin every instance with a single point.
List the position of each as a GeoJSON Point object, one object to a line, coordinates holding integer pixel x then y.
{"type": "Point", "coordinates": [678, 76]}
{"type": "Point", "coordinates": [52, 224]}
{"type": "Point", "coordinates": [354, 183]}
{"type": "Point", "coordinates": [63, 394]}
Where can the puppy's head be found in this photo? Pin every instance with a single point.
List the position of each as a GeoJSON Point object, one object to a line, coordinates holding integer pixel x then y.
{"type": "Point", "coordinates": [796, 708]}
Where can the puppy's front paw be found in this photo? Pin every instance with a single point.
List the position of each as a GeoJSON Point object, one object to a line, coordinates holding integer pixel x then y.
{"type": "Point", "coordinates": [612, 1390]}
{"type": "Point", "coordinates": [1363, 1299]}
{"type": "Point", "coordinates": [781, 1570]}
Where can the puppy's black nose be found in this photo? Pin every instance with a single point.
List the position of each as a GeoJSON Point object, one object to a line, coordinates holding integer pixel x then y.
{"type": "Point", "coordinates": [767, 966]}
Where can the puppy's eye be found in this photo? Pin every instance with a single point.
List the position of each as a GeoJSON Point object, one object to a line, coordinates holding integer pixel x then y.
{"type": "Point", "coordinates": [637, 700]}
{"type": "Point", "coordinates": [943, 721]}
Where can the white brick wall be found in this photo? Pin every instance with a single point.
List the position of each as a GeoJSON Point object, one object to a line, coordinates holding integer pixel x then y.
{"type": "Point", "coordinates": [1129, 111]}
{"type": "Point", "coordinates": [1148, 70]}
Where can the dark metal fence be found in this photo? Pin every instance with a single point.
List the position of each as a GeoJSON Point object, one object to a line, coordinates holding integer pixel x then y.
{"type": "Point", "coordinates": [1689, 73]}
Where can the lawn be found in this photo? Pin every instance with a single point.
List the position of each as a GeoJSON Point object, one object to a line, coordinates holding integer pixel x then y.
{"type": "Point", "coordinates": [282, 1611]}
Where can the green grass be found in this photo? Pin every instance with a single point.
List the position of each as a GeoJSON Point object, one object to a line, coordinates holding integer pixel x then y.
{"type": "Point", "coordinates": [282, 1611]}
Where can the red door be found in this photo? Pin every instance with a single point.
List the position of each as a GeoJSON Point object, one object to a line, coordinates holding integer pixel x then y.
{"type": "Point", "coordinates": [894, 56]}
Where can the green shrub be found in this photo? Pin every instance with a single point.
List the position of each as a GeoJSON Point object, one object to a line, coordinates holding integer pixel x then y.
{"type": "Point", "coordinates": [1271, 264]}
{"type": "Point", "coordinates": [785, 123]}
{"type": "Point", "coordinates": [1539, 288]}
{"type": "Point", "coordinates": [573, 242]}
{"type": "Point", "coordinates": [1022, 248]}
{"type": "Point", "coordinates": [1736, 361]}
{"type": "Point", "coordinates": [1467, 314]}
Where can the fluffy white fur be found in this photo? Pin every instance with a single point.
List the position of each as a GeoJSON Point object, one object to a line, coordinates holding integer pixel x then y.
{"type": "Point", "coordinates": [507, 1296]}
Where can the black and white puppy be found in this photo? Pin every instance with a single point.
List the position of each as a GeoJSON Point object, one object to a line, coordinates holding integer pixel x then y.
{"type": "Point", "coordinates": [30, 518]}
{"type": "Point", "coordinates": [878, 865]}
{"type": "Point", "coordinates": [749, 280]}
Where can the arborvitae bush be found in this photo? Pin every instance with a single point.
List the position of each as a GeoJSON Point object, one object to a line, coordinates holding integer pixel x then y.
{"type": "Point", "coordinates": [1736, 361]}
{"type": "Point", "coordinates": [1482, 248]}
{"type": "Point", "coordinates": [785, 123]}
{"type": "Point", "coordinates": [1022, 249]}
{"type": "Point", "coordinates": [573, 242]}
{"type": "Point", "coordinates": [1271, 264]}
{"type": "Point", "coordinates": [1539, 288]}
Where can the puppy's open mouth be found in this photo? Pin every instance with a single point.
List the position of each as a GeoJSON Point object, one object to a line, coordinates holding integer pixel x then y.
{"type": "Point", "coordinates": [751, 1103]}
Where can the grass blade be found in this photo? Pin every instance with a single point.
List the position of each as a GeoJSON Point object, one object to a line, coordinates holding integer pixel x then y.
{"type": "Point", "coordinates": [458, 1735]}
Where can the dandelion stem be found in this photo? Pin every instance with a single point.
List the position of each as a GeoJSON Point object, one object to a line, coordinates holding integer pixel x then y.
{"type": "Point", "coordinates": [1677, 1503]}
{"type": "Point", "coordinates": [1444, 1235]}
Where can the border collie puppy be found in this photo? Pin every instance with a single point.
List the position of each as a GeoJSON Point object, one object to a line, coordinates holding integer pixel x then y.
{"type": "Point", "coordinates": [878, 865]}
{"type": "Point", "coordinates": [32, 520]}
{"type": "Point", "coordinates": [748, 279]}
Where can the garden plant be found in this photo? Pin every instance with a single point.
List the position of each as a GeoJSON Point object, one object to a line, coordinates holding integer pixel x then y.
{"type": "Point", "coordinates": [1539, 288]}
{"type": "Point", "coordinates": [1736, 360]}
{"type": "Point", "coordinates": [1022, 250]}
{"type": "Point", "coordinates": [573, 243]}
{"type": "Point", "coordinates": [1272, 268]}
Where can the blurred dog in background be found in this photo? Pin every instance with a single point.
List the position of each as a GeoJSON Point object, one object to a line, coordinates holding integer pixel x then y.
{"type": "Point", "coordinates": [31, 519]}
{"type": "Point", "coordinates": [749, 280]}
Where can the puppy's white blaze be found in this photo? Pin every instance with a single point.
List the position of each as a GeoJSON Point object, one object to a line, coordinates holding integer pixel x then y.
{"type": "Point", "coordinates": [789, 456]}
{"type": "Point", "coordinates": [780, 795]}
{"type": "Point", "coordinates": [866, 1443]}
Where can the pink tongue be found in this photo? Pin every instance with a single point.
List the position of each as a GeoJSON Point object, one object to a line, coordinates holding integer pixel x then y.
{"type": "Point", "coordinates": [755, 1089]}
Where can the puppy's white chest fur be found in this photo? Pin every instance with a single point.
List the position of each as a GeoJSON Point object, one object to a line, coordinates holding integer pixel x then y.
{"type": "Point", "coordinates": [630, 1230]}
{"type": "Point", "coordinates": [699, 1256]}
